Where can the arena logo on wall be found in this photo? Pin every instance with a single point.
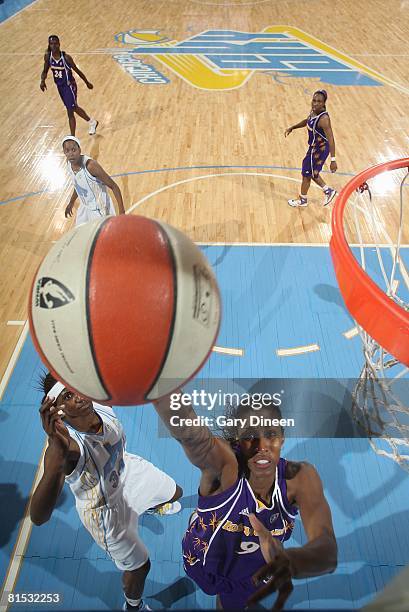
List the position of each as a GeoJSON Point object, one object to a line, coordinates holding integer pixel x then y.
{"type": "Point", "coordinates": [226, 59]}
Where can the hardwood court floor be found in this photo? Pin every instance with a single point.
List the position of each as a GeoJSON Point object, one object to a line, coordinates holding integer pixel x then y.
{"type": "Point", "coordinates": [203, 148]}
{"type": "Point", "coordinates": [147, 129]}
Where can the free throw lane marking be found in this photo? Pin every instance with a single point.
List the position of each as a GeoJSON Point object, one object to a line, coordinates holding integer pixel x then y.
{"type": "Point", "coordinates": [228, 351]}
{"type": "Point", "coordinates": [297, 350]}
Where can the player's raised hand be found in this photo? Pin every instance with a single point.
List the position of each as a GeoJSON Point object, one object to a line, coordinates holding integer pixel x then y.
{"type": "Point", "coordinates": [276, 574]}
{"type": "Point", "coordinates": [58, 435]}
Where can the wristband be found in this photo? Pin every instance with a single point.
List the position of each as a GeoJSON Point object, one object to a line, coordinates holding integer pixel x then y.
{"type": "Point", "coordinates": [333, 158]}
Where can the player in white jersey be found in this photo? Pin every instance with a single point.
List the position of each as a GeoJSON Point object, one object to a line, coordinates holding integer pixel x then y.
{"type": "Point", "coordinates": [90, 185]}
{"type": "Point", "coordinates": [86, 449]}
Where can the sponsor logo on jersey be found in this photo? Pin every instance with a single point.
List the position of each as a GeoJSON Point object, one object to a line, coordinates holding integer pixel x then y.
{"type": "Point", "coordinates": [245, 512]}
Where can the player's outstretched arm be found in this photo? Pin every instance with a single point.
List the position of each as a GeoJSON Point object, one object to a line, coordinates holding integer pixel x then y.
{"type": "Point", "coordinates": [70, 206]}
{"type": "Point", "coordinates": [302, 124]}
{"type": "Point", "coordinates": [210, 454]}
{"type": "Point", "coordinates": [319, 555]}
{"type": "Point", "coordinates": [97, 170]}
{"type": "Point", "coordinates": [61, 449]}
{"type": "Point", "coordinates": [275, 576]}
{"type": "Point", "coordinates": [74, 67]}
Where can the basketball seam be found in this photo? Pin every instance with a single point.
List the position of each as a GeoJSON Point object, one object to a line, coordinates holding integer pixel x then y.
{"type": "Point", "coordinates": [89, 329]}
{"type": "Point", "coordinates": [172, 324]}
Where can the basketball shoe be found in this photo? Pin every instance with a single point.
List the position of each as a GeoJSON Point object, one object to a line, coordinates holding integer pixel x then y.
{"type": "Point", "coordinates": [166, 509]}
{"type": "Point", "coordinates": [298, 202]}
{"type": "Point", "coordinates": [92, 126]}
{"type": "Point", "coordinates": [330, 194]}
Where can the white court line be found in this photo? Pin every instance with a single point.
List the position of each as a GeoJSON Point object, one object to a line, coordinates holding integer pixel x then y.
{"type": "Point", "coordinates": [15, 322]}
{"type": "Point", "coordinates": [297, 350]}
{"type": "Point", "coordinates": [21, 544]}
{"type": "Point", "coordinates": [13, 359]}
{"type": "Point", "coordinates": [206, 176]}
{"type": "Point", "coordinates": [23, 538]}
{"type": "Point", "coordinates": [351, 333]}
{"type": "Point", "coordinates": [18, 12]}
{"type": "Point", "coordinates": [228, 351]}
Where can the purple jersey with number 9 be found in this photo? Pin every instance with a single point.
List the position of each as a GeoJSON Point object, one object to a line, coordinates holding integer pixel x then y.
{"type": "Point", "coordinates": [221, 551]}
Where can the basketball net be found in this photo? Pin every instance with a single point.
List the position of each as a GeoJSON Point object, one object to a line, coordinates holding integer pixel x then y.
{"type": "Point", "coordinates": [379, 404]}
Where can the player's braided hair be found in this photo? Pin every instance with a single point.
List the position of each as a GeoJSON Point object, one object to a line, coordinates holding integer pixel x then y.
{"type": "Point", "coordinates": [46, 382]}
{"type": "Point", "coordinates": [49, 38]}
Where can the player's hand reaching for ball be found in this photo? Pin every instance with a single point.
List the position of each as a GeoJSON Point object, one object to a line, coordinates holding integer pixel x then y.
{"type": "Point", "coordinates": [276, 574]}
{"type": "Point", "coordinates": [51, 420]}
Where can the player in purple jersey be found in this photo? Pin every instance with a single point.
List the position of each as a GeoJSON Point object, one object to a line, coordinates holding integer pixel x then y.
{"type": "Point", "coordinates": [249, 497]}
{"type": "Point", "coordinates": [321, 143]}
{"type": "Point", "coordinates": [62, 66]}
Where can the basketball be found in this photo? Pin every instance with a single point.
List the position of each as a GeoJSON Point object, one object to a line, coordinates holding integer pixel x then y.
{"type": "Point", "coordinates": [124, 310]}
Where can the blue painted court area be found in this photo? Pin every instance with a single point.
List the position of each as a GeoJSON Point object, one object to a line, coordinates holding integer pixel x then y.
{"type": "Point", "coordinates": [273, 297]}
{"type": "Point", "coordinates": [8, 8]}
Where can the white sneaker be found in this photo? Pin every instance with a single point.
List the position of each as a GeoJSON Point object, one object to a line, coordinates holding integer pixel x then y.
{"type": "Point", "coordinates": [92, 126]}
{"type": "Point", "coordinates": [142, 606]}
{"type": "Point", "coordinates": [329, 196]}
{"type": "Point", "coordinates": [298, 203]}
{"type": "Point", "coordinates": [166, 509]}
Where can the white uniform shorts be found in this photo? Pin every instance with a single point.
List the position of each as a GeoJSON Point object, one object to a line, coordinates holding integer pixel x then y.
{"type": "Point", "coordinates": [115, 527]}
{"type": "Point", "coordinates": [86, 214]}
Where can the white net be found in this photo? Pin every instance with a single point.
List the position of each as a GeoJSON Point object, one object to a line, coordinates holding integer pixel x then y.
{"type": "Point", "coordinates": [381, 398]}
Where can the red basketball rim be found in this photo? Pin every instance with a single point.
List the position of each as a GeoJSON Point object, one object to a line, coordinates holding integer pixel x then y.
{"type": "Point", "coordinates": [379, 315]}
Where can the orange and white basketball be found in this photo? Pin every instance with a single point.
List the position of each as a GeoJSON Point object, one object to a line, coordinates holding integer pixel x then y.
{"type": "Point", "coordinates": [124, 310]}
